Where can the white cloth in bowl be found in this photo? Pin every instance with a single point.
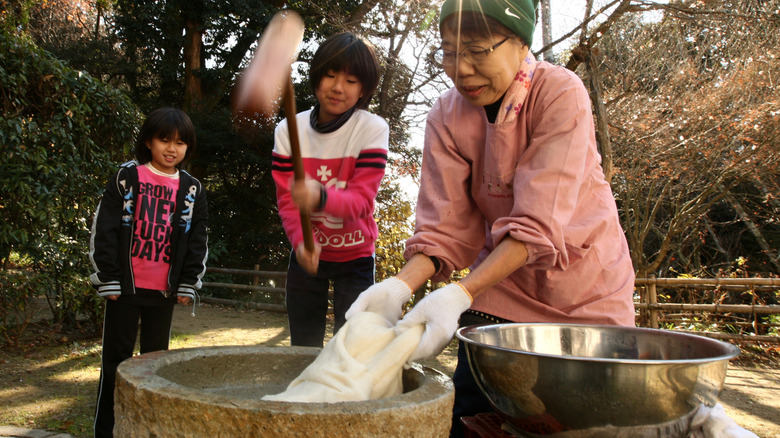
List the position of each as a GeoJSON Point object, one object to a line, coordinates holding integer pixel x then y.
{"type": "Point", "coordinates": [703, 422]}
{"type": "Point", "coordinates": [363, 361]}
{"type": "Point", "coordinates": [714, 423]}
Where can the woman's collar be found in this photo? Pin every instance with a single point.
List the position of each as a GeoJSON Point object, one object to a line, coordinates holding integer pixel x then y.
{"type": "Point", "coordinates": [515, 96]}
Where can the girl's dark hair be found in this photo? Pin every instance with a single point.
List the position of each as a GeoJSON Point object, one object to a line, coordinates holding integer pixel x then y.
{"type": "Point", "coordinates": [478, 26]}
{"type": "Point", "coordinates": [163, 123]}
{"type": "Point", "coordinates": [351, 54]}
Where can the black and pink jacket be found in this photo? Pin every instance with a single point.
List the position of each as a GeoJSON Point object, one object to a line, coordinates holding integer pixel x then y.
{"type": "Point", "coordinates": [112, 233]}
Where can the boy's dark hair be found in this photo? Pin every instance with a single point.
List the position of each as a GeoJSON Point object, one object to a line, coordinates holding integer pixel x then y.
{"type": "Point", "coordinates": [163, 123]}
{"type": "Point", "coordinates": [348, 53]}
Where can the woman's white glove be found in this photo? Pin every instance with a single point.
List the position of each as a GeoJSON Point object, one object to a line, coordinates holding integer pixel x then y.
{"type": "Point", "coordinates": [440, 312]}
{"type": "Point", "coordinates": [385, 298]}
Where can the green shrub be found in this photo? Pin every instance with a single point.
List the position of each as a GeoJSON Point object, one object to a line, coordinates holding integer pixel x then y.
{"type": "Point", "coordinates": [16, 305]}
{"type": "Point", "coordinates": [62, 134]}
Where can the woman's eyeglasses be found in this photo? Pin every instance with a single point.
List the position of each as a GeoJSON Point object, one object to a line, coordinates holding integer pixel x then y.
{"type": "Point", "coordinates": [472, 54]}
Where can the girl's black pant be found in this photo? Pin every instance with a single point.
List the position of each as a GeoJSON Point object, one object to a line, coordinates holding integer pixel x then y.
{"type": "Point", "coordinates": [120, 329]}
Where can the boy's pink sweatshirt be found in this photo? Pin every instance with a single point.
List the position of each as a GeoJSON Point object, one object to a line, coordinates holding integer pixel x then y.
{"type": "Point", "coordinates": [350, 163]}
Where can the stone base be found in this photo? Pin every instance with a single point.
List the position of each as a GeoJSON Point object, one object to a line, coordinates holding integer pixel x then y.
{"type": "Point", "coordinates": [217, 391]}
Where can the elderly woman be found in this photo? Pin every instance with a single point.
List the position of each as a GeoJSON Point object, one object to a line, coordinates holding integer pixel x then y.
{"type": "Point", "coordinates": [512, 188]}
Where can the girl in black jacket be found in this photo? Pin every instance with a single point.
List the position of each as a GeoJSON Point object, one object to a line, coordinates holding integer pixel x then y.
{"type": "Point", "coordinates": [148, 247]}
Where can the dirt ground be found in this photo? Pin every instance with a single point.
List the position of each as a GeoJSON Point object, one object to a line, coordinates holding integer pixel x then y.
{"type": "Point", "coordinates": [53, 387]}
{"type": "Point", "coordinates": [751, 396]}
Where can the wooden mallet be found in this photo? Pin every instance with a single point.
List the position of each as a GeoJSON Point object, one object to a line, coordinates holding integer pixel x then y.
{"type": "Point", "coordinates": [267, 82]}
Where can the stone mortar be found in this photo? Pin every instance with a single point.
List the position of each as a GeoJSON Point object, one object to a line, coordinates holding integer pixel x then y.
{"type": "Point", "coordinates": [216, 392]}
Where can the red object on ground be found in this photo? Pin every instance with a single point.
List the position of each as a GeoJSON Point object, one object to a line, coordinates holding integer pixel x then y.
{"type": "Point", "coordinates": [484, 426]}
{"type": "Point", "coordinates": [489, 425]}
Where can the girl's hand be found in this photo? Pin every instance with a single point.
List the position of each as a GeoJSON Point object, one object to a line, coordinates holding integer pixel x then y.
{"type": "Point", "coordinates": [306, 195]}
{"type": "Point", "coordinates": [183, 300]}
{"type": "Point", "coordinates": [309, 261]}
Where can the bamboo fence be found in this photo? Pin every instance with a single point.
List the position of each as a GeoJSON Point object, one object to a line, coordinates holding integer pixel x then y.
{"type": "Point", "coordinates": [650, 313]}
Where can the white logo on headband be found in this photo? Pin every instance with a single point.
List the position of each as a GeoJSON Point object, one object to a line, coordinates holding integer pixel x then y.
{"type": "Point", "coordinates": [511, 14]}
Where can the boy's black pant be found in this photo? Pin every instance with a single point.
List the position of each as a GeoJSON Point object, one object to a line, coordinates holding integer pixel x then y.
{"type": "Point", "coordinates": [120, 328]}
{"type": "Point", "coordinates": [307, 296]}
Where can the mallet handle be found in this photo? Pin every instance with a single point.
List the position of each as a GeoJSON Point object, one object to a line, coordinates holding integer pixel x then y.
{"type": "Point", "coordinates": [295, 149]}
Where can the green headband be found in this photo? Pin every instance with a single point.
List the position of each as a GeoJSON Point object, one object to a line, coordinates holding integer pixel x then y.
{"type": "Point", "coordinates": [519, 16]}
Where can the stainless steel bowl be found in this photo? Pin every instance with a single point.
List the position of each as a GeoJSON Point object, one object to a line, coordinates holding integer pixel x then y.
{"type": "Point", "coordinates": [546, 378]}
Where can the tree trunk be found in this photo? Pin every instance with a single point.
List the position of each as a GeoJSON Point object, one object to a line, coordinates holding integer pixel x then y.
{"type": "Point", "coordinates": [753, 229]}
{"type": "Point", "coordinates": [601, 116]}
{"type": "Point", "coordinates": [360, 12]}
{"type": "Point", "coordinates": [548, 55]}
{"type": "Point", "coordinates": [716, 239]}
{"type": "Point", "coordinates": [579, 53]}
{"type": "Point", "coordinates": [98, 16]}
{"type": "Point", "coordinates": [193, 47]}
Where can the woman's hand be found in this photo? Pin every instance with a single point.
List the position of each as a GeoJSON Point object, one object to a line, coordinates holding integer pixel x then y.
{"type": "Point", "coordinates": [439, 312]}
{"type": "Point", "coordinates": [385, 298]}
{"type": "Point", "coordinates": [388, 297]}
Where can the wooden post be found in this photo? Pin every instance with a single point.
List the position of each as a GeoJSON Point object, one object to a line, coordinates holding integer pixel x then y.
{"type": "Point", "coordinates": [652, 298]}
{"type": "Point", "coordinates": [756, 325]}
{"type": "Point", "coordinates": [642, 318]}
